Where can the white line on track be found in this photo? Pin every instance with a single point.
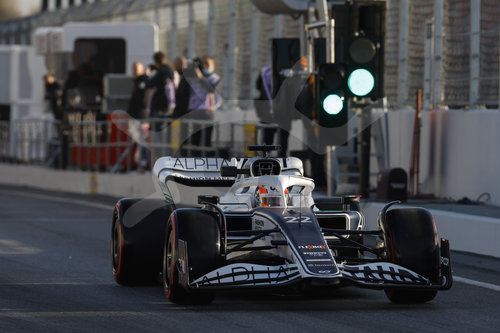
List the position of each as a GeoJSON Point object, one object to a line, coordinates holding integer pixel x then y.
{"type": "Point", "coordinates": [476, 283]}
{"type": "Point", "coordinates": [59, 199]}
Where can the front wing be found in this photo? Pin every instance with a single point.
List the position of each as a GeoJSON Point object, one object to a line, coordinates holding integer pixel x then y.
{"type": "Point", "coordinates": [377, 275]}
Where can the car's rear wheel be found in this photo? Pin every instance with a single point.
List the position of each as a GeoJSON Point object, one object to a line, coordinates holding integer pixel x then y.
{"type": "Point", "coordinates": [411, 242]}
{"type": "Point", "coordinates": [200, 236]}
{"type": "Point", "coordinates": [137, 239]}
{"type": "Point", "coordinates": [117, 254]}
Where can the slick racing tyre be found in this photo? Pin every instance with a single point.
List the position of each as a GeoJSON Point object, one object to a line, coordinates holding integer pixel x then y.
{"type": "Point", "coordinates": [137, 240]}
{"type": "Point", "coordinates": [192, 249]}
{"type": "Point", "coordinates": [411, 241]}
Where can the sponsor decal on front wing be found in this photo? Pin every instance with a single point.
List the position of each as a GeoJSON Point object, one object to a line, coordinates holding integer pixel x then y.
{"type": "Point", "coordinates": [248, 275]}
{"type": "Point", "coordinates": [382, 272]}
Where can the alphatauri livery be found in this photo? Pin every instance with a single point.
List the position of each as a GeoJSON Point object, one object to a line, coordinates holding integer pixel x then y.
{"type": "Point", "coordinates": [253, 223]}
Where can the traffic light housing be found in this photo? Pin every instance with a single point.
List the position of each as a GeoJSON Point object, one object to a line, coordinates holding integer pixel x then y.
{"type": "Point", "coordinates": [331, 95]}
{"type": "Point", "coordinates": [362, 65]}
{"type": "Point", "coordinates": [364, 52]}
{"type": "Point", "coordinates": [360, 27]}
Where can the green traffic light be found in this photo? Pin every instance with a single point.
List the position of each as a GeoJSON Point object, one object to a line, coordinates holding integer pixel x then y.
{"type": "Point", "coordinates": [361, 82]}
{"type": "Point", "coordinates": [333, 104]}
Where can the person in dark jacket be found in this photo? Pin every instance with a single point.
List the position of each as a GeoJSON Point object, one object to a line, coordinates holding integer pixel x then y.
{"type": "Point", "coordinates": [159, 83]}
{"type": "Point", "coordinates": [52, 95]}
{"type": "Point", "coordinates": [137, 103]}
{"type": "Point", "coordinates": [182, 88]}
{"type": "Point", "coordinates": [161, 103]}
{"type": "Point", "coordinates": [137, 111]}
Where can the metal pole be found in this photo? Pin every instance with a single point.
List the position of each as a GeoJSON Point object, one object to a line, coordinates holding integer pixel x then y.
{"type": "Point", "coordinates": [211, 28]}
{"type": "Point", "coordinates": [277, 26]}
{"type": "Point", "coordinates": [428, 82]}
{"type": "Point", "coordinates": [173, 31]}
{"type": "Point", "coordinates": [330, 57]}
{"type": "Point", "coordinates": [254, 46]}
{"type": "Point", "coordinates": [232, 52]}
{"type": "Point", "coordinates": [156, 13]}
{"type": "Point", "coordinates": [191, 30]}
{"type": "Point", "coordinates": [322, 9]}
{"type": "Point", "coordinates": [475, 40]}
{"type": "Point", "coordinates": [330, 41]}
{"type": "Point", "coordinates": [329, 187]}
{"type": "Point", "coordinates": [364, 172]}
{"type": "Point", "coordinates": [438, 50]}
{"type": "Point", "coordinates": [403, 51]}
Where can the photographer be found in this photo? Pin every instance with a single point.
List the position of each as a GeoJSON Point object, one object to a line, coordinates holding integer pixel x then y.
{"type": "Point", "coordinates": [204, 98]}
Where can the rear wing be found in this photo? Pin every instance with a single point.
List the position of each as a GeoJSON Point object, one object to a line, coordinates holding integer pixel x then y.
{"type": "Point", "coordinates": [183, 179]}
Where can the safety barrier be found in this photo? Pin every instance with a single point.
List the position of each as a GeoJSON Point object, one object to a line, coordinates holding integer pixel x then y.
{"type": "Point", "coordinates": [119, 143]}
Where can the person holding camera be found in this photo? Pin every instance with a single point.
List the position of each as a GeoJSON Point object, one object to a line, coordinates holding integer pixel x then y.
{"type": "Point", "coordinates": [204, 98]}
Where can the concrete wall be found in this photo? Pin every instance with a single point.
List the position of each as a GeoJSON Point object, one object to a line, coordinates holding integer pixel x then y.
{"type": "Point", "coordinates": [467, 233]}
{"type": "Point", "coordinates": [459, 153]}
{"type": "Point", "coordinates": [119, 185]}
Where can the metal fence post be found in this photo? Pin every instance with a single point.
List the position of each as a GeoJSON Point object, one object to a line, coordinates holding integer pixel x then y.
{"type": "Point", "coordinates": [254, 50]}
{"type": "Point", "coordinates": [211, 28]}
{"type": "Point", "coordinates": [428, 78]}
{"type": "Point", "coordinates": [438, 52]}
{"type": "Point", "coordinates": [173, 31]}
{"type": "Point", "coordinates": [403, 51]}
{"type": "Point", "coordinates": [232, 53]}
{"type": "Point", "coordinates": [191, 27]}
{"type": "Point", "coordinates": [475, 39]}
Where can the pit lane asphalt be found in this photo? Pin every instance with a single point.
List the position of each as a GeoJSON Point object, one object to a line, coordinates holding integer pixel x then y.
{"type": "Point", "coordinates": [55, 276]}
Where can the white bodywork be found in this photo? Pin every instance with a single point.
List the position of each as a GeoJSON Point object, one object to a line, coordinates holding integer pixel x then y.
{"type": "Point", "coordinates": [169, 170]}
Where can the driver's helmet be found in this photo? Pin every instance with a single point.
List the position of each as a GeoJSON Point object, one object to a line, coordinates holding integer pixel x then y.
{"type": "Point", "coordinates": [268, 196]}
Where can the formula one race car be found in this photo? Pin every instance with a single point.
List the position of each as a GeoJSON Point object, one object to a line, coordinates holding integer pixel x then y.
{"type": "Point", "coordinates": [253, 223]}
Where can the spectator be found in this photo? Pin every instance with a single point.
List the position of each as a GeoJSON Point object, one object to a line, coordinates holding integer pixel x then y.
{"type": "Point", "coordinates": [161, 103]}
{"type": "Point", "coordinates": [137, 110]}
{"type": "Point", "coordinates": [204, 99]}
{"type": "Point", "coordinates": [52, 96]}
{"type": "Point", "coordinates": [182, 88]}
{"type": "Point", "coordinates": [182, 93]}
{"type": "Point", "coordinates": [137, 103]}
{"type": "Point", "coordinates": [83, 86]}
{"type": "Point", "coordinates": [179, 64]}
{"type": "Point", "coordinates": [162, 96]}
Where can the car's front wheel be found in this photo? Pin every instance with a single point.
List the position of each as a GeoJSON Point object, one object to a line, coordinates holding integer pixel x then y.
{"type": "Point", "coordinates": [411, 242]}
{"type": "Point", "coordinates": [198, 231]}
